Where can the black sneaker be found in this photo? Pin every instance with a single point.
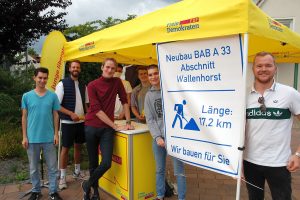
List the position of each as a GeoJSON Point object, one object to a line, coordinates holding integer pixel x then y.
{"type": "Point", "coordinates": [55, 196]}
{"type": "Point", "coordinates": [86, 190]}
{"type": "Point", "coordinates": [35, 196]}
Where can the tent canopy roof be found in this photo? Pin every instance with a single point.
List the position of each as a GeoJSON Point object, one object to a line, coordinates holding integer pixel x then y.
{"type": "Point", "coordinates": [133, 42]}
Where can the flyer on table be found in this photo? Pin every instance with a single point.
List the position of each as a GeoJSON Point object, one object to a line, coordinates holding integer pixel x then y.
{"type": "Point", "coordinates": [202, 87]}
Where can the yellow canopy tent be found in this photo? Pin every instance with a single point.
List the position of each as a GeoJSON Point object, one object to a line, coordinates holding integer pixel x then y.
{"type": "Point", "coordinates": [133, 42]}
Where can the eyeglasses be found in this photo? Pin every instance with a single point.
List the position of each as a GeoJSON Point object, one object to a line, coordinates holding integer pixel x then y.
{"type": "Point", "coordinates": [262, 107]}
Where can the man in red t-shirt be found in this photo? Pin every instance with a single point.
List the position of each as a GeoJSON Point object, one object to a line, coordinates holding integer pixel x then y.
{"type": "Point", "coordinates": [99, 123]}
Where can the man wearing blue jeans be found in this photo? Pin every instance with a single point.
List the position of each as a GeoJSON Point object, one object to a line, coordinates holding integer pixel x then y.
{"type": "Point", "coordinates": [154, 118]}
{"type": "Point", "coordinates": [40, 132]}
{"type": "Point", "coordinates": [100, 126]}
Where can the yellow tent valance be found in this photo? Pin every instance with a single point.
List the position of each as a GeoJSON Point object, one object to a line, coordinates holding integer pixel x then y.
{"type": "Point", "coordinates": [133, 42]}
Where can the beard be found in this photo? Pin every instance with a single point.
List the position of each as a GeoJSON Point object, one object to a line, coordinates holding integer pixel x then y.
{"type": "Point", "coordinates": [75, 74]}
{"type": "Point", "coordinates": [264, 80]}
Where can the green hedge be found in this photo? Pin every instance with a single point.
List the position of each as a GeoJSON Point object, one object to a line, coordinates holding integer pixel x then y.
{"type": "Point", "coordinates": [9, 109]}
{"type": "Point", "coordinates": [10, 144]}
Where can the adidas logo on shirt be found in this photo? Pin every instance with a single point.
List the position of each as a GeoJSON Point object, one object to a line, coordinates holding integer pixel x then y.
{"type": "Point", "coordinates": [271, 113]}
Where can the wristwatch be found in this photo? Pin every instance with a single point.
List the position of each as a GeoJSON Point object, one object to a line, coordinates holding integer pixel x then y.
{"type": "Point", "coordinates": [128, 122]}
{"type": "Point", "coordinates": [297, 154]}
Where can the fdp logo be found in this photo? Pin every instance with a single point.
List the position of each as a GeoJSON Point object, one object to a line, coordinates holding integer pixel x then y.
{"type": "Point", "coordinates": [87, 46]}
{"type": "Point", "coordinates": [183, 25]}
{"type": "Point", "coordinates": [275, 25]}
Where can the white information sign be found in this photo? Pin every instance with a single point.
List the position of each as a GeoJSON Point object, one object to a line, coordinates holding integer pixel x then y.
{"type": "Point", "coordinates": [202, 85]}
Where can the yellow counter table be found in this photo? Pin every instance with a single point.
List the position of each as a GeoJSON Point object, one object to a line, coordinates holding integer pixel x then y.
{"type": "Point", "coordinates": [132, 174]}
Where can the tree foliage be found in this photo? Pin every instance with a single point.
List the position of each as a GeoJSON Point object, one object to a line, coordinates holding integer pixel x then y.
{"type": "Point", "coordinates": [12, 88]}
{"type": "Point", "coordinates": [31, 51]}
{"type": "Point", "coordinates": [81, 30]}
{"type": "Point", "coordinates": [24, 21]}
{"type": "Point", "coordinates": [89, 71]}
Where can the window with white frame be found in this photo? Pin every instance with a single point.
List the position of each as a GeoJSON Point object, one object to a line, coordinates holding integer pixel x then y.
{"type": "Point", "coordinates": [288, 22]}
{"type": "Point", "coordinates": [258, 2]}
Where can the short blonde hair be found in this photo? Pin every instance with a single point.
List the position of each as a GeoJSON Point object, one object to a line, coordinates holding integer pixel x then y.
{"type": "Point", "coordinates": [262, 54]}
{"type": "Point", "coordinates": [110, 59]}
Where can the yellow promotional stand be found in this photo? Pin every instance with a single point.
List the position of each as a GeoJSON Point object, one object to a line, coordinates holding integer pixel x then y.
{"type": "Point", "coordinates": [132, 174]}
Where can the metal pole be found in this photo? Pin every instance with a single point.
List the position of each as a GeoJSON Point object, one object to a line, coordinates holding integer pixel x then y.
{"type": "Point", "coordinates": [296, 69]}
{"type": "Point", "coordinates": [60, 133]}
{"type": "Point", "coordinates": [59, 147]}
{"type": "Point", "coordinates": [242, 138]}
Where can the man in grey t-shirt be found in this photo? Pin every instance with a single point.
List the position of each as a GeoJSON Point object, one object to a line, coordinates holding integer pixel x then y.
{"type": "Point", "coordinates": [138, 95]}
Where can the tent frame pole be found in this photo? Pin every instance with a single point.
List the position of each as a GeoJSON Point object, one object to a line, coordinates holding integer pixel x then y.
{"type": "Point", "coordinates": [59, 131]}
{"type": "Point", "coordinates": [296, 70]}
{"type": "Point", "coordinates": [242, 138]}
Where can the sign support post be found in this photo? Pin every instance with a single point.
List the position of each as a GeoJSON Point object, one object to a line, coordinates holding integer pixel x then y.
{"type": "Point", "coordinates": [242, 138]}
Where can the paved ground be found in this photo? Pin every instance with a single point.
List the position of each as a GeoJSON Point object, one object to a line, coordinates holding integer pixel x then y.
{"type": "Point", "coordinates": [201, 185]}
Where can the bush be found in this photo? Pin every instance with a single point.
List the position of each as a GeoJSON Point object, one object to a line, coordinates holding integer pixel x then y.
{"type": "Point", "coordinates": [22, 175]}
{"type": "Point", "coordinates": [12, 87]}
{"type": "Point", "coordinates": [10, 144]}
{"type": "Point", "coordinates": [6, 126]}
{"type": "Point", "coordinates": [10, 111]}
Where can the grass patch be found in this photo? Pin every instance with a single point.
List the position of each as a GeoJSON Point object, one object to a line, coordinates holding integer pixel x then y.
{"type": "Point", "coordinates": [6, 179]}
{"type": "Point", "coordinates": [13, 157]}
{"type": "Point", "coordinates": [10, 145]}
{"type": "Point", "coordinates": [22, 175]}
{"type": "Point", "coordinates": [13, 170]}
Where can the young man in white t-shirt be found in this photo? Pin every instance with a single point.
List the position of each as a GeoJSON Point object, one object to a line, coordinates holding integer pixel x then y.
{"type": "Point", "coordinates": [119, 112]}
{"type": "Point", "coordinates": [270, 110]}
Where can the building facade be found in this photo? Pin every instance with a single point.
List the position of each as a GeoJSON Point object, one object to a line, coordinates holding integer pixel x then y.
{"type": "Point", "coordinates": [286, 12]}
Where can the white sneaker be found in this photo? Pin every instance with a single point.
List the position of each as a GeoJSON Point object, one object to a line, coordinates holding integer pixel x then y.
{"type": "Point", "coordinates": [175, 190]}
{"type": "Point", "coordinates": [62, 184]}
{"type": "Point", "coordinates": [77, 176]}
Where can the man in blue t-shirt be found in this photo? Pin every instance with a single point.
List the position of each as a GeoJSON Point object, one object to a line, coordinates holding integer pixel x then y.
{"type": "Point", "coordinates": [40, 132]}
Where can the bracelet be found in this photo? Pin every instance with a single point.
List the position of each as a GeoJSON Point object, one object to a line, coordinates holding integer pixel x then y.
{"type": "Point", "coordinates": [297, 154]}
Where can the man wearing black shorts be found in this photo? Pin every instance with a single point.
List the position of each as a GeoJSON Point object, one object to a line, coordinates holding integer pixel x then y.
{"type": "Point", "coordinates": [73, 98]}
